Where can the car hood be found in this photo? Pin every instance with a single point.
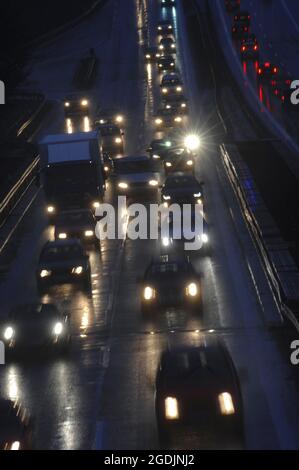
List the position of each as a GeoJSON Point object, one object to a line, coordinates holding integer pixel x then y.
{"type": "Point", "coordinates": [139, 177]}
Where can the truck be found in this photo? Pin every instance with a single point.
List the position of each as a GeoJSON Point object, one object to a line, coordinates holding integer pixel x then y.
{"type": "Point", "coordinates": [72, 171]}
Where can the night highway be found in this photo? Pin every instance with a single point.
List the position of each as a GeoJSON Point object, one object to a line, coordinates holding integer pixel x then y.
{"type": "Point", "coordinates": [124, 344]}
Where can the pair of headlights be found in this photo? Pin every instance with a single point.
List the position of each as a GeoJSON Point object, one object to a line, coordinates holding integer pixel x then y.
{"type": "Point", "coordinates": [87, 234]}
{"type": "Point", "coordinates": [225, 403]}
{"type": "Point", "coordinates": [191, 291]}
{"type": "Point", "coordinates": [9, 331]}
{"type": "Point", "coordinates": [47, 273]}
{"type": "Point", "coordinates": [123, 185]}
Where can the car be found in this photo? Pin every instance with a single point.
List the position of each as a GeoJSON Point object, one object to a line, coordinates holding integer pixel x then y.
{"type": "Point", "coordinates": [151, 54]}
{"type": "Point", "coordinates": [79, 224]}
{"type": "Point", "coordinates": [76, 106]}
{"type": "Point", "coordinates": [168, 117]}
{"type": "Point", "coordinates": [36, 326]}
{"type": "Point", "coordinates": [166, 63]}
{"type": "Point", "coordinates": [171, 83]}
{"type": "Point", "coordinates": [168, 3]}
{"type": "Point", "coordinates": [158, 148]}
{"type": "Point", "coordinates": [165, 27]}
{"type": "Point", "coordinates": [61, 262]}
{"type": "Point", "coordinates": [239, 30]}
{"type": "Point", "coordinates": [112, 138]}
{"type": "Point", "coordinates": [15, 426]}
{"type": "Point", "coordinates": [176, 102]}
{"type": "Point", "coordinates": [249, 48]}
{"type": "Point", "coordinates": [110, 116]}
{"type": "Point", "coordinates": [197, 388]}
{"type": "Point", "coordinates": [137, 175]}
{"type": "Point", "coordinates": [232, 5]}
{"type": "Point", "coordinates": [267, 72]}
{"type": "Point", "coordinates": [179, 159]}
{"type": "Point", "coordinates": [182, 188]}
{"type": "Point", "coordinates": [171, 281]}
{"type": "Point", "coordinates": [167, 46]}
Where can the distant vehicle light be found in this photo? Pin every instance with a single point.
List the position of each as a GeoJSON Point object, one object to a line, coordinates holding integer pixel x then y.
{"type": "Point", "coordinates": [153, 183]}
{"type": "Point", "coordinates": [8, 333]}
{"type": "Point", "coordinates": [149, 293]}
{"type": "Point", "coordinates": [196, 195]}
{"type": "Point", "coordinates": [178, 119]}
{"type": "Point", "coordinates": [192, 289]}
{"type": "Point", "coordinates": [192, 142]}
{"type": "Point", "coordinates": [88, 233]}
{"type": "Point", "coordinates": [190, 162]}
{"type": "Point", "coordinates": [118, 140]}
{"type": "Point", "coordinates": [77, 270]}
{"type": "Point", "coordinates": [166, 198]}
{"type": "Point", "coordinates": [165, 241]}
{"type": "Point", "coordinates": [168, 164]}
{"type": "Point", "coordinates": [156, 157]}
{"type": "Point", "coordinates": [62, 236]}
{"type": "Point", "coordinates": [179, 88]}
{"type": "Point", "coordinates": [45, 273]}
{"type": "Point", "coordinates": [122, 185]}
{"type": "Point", "coordinates": [159, 121]}
{"type": "Point", "coordinates": [16, 445]}
{"type": "Point", "coordinates": [205, 238]}
{"type": "Point", "coordinates": [67, 104]}
{"type": "Point", "coordinates": [106, 168]}
{"type": "Point", "coordinates": [84, 102]}
{"type": "Point", "coordinates": [148, 56]}
{"type": "Point", "coordinates": [96, 204]}
{"type": "Point", "coordinates": [119, 119]}
{"type": "Point", "coordinates": [50, 209]}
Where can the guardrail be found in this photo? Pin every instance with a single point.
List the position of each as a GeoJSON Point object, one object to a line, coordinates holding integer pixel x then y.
{"type": "Point", "coordinates": [14, 196]}
{"type": "Point", "coordinates": [280, 267]}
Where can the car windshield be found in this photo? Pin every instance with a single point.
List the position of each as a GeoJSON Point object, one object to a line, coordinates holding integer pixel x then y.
{"type": "Point", "coordinates": [142, 166]}
{"type": "Point", "coordinates": [171, 81]}
{"type": "Point", "coordinates": [75, 218]}
{"type": "Point", "coordinates": [163, 268]}
{"type": "Point", "coordinates": [180, 182]}
{"type": "Point", "coordinates": [62, 252]}
{"type": "Point", "coordinates": [33, 311]}
{"type": "Point", "coordinates": [105, 131]}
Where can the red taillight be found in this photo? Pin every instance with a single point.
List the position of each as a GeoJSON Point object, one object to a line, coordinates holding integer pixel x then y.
{"type": "Point", "coordinates": [234, 30]}
{"type": "Point", "coordinates": [276, 92]}
{"type": "Point", "coordinates": [275, 70]}
{"type": "Point", "coordinates": [259, 71]}
{"type": "Point", "coordinates": [288, 81]}
{"type": "Point", "coordinates": [282, 98]}
{"type": "Point", "coordinates": [256, 47]}
{"type": "Point", "coordinates": [245, 28]}
{"type": "Point", "coordinates": [243, 48]}
{"type": "Point", "coordinates": [267, 64]}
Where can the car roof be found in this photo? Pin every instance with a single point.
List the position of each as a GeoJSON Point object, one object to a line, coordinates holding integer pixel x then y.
{"type": "Point", "coordinates": [209, 363]}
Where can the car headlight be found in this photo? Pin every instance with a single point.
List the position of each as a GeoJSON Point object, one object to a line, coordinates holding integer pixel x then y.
{"type": "Point", "coordinates": [226, 404]}
{"type": "Point", "coordinates": [192, 142]}
{"type": "Point", "coordinates": [77, 270]}
{"type": "Point", "coordinates": [153, 183]}
{"type": "Point", "coordinates": [160, 65]}
{"type": "Point", "coordinates": [196, 195]}
{"type": "Point", "coordinates": [159, 121]}
{"type": "Point", "coordinates": [169, 27]}
{"type": "Point", "coordinates": [106, 168]}
{"type": "Point", "coordinates": [148, 56]}
{"type": "Point", "coordinates": [164, 90]}
{"type": "Point", "coordinates": [148, 293]}
{"type": "Point", "coordinates": [172, 46]}
{"type": "Point", "coordinates": [168, 164]}
{"type": "Point", "coordinates": [84, 103]}
{"type": "Point", "coordinates": [16, 445]}
{"type": "Point", "coordinates": [171, 408]}
{"type": "Point", "coordinates": [165, 241]}
{"type": "Point", "coordinates": [119, 118]}
{"type": "Point", "coordinates": [50, 209]}
{"type": "Point", "coordinates": [190, 162]}
{"type": "Point", "coordinates": [88, 233]}
{"type": "Point", "coordinates": [168, 106]}
{"type": "Point", "coordinates": [204, 238]}
{"type": "Point", "coordinates": [123, 185]}
{"type": "Point", "coordinates": [161, 47]}
{"type": "Point", "coordinates": [192, 289]}
{"type": "Point", "coordinates": [45, 273]}
{"type": "Point", "coordinates": [171, 64]}
{"type": "Point", "coordinates": [67, 104]}
{"type": "Point", "coordinates": [62, 236]}
{"type": "Point", "coordinates": [156, 157]}
{"type": "Point", "coordinates": [183, 105]}
{"type": "Point", "coordinates": [58, 329]}
{"type": "Point", "coordinates": [118, 140]}
{"type": "Point", "coordinates": [166, 198]}
{"type": "Point", "coordinates": [159, 28]}
{"type": "Point", "coordinates": [178, 88]}
{"type": "Point", "coordinates": [8, 333]}
{"type": "Point", "coordinates": [96, 204]}
{"type": "Point", "coordinates": [178, 119]}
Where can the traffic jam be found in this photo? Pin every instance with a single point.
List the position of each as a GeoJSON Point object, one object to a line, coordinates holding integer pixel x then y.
{"type": "Point", "coordinates": [119, 331]}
